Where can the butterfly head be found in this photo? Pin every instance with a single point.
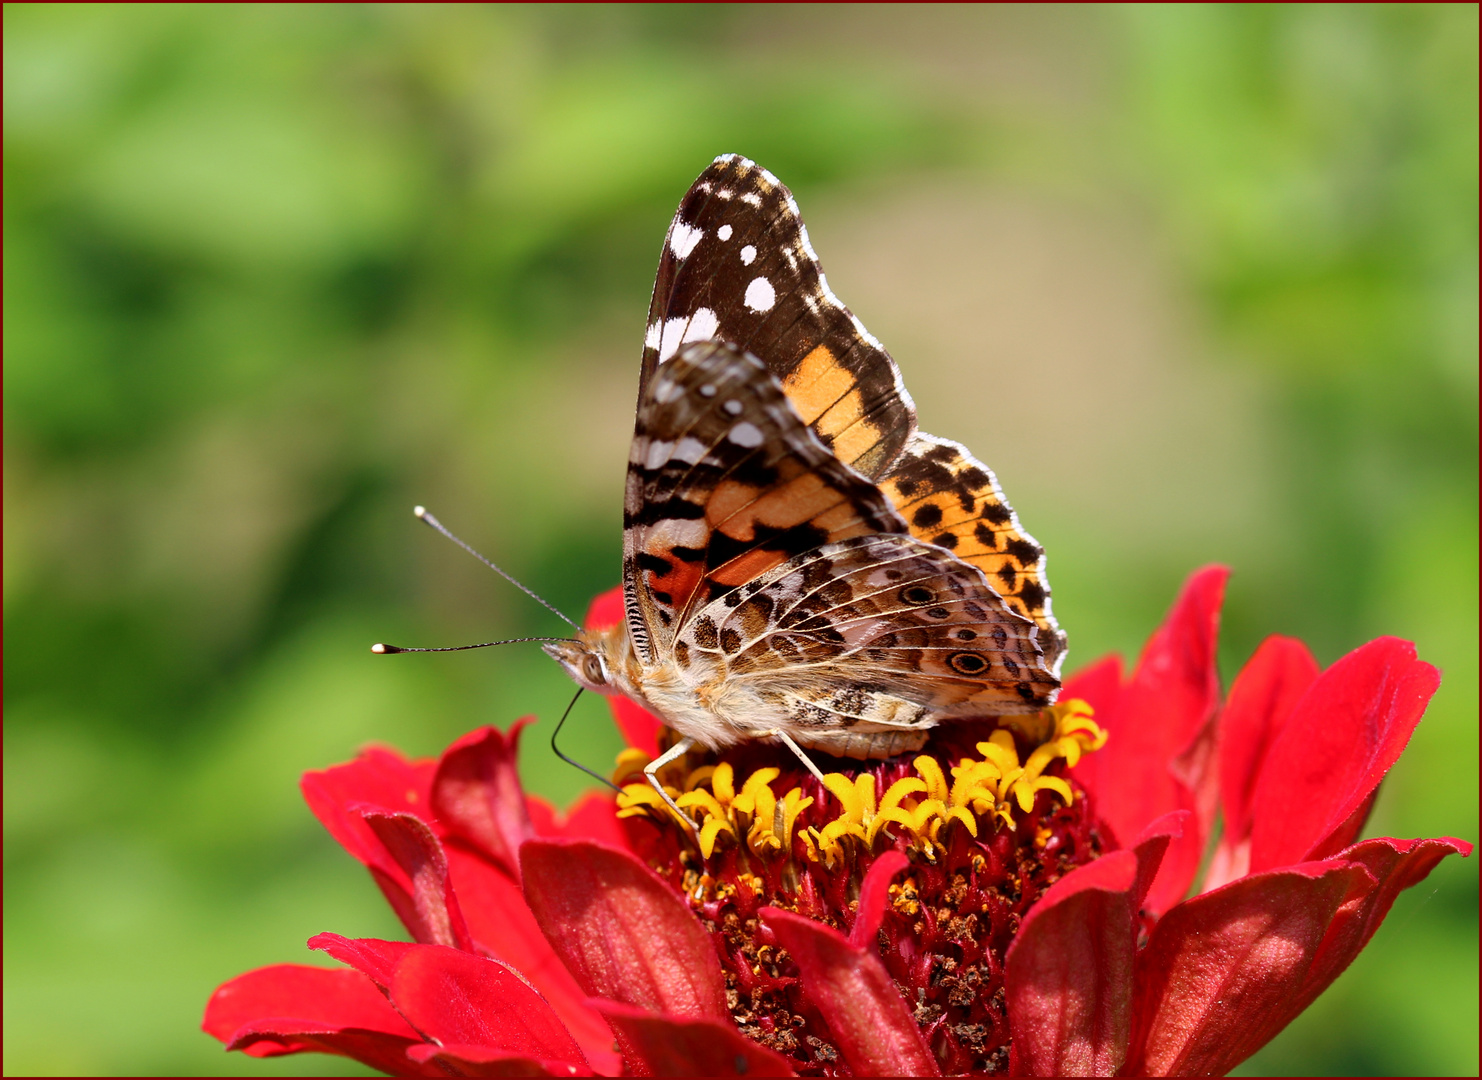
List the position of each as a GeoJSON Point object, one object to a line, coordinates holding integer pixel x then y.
{"type": "Point", "coordinates": [592, 659]}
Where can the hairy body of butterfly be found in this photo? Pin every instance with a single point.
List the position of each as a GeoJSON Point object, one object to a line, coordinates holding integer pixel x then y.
{"type": "Point", "coordinates": [800, 563]}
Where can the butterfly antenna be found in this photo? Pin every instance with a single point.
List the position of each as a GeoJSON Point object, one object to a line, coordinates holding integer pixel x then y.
{"type": "Point", "coordinates": [422, 512]}
{"type": "Point", "coordinates": [557, 750]}
{"type": "Point", "coordinates": [382, 648]}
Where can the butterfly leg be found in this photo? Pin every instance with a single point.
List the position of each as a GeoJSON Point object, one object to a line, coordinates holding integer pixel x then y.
{"type": "Point", "coordinates": [651, 770]}
{"type": "Point", "coordinates": [786, 740]}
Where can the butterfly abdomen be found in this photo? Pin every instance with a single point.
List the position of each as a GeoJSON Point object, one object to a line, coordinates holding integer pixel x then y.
{"type": "Point", "coordinates": [866, 746]}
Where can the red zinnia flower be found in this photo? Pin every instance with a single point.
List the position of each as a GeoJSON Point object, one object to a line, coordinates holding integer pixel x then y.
{"type": "Point", "coordinates": [1008, 901]}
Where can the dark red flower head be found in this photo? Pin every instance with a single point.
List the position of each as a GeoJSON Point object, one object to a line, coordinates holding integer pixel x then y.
{"type": "Point", "coordinates": [1011, 899]}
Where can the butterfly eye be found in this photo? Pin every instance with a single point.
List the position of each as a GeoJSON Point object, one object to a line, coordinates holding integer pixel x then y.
{"type": "Point", "coordinates": [916, 594]}
{"type": "Point", "coordinates": [968, 663]}
{"type": "Point", "coordinates": [591, 668]}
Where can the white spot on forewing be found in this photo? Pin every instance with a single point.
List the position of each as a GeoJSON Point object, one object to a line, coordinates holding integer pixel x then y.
{"type": "Point", "coordinates": [760, 295]}
{"type": "Point", "coordinates": [751, 197]}
{"type": "Point", "coordinates": [683, 238]}
{"type": "Point", "coordinates": [703, 325]}
{"type": "Point", "coordinates": [745, 434]}
{"type": "Point", "coordinates": [656, 454]}
{"type": "Point", "coordinates": [748, 253]}
{"type": "Point", "coordinates": [688, 450]}
{"type": "Point", "coordinates": [700, 326]}
{"type": "Point", "coordinates": [733, 407]}
{"type": "Point", "coordinates": [651, 336]}
{"type": "Point", "coordinates": [724, 232]}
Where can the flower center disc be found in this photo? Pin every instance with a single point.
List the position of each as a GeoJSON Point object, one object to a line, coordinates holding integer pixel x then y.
{"type": "Point", "coordinates": [986, 832]}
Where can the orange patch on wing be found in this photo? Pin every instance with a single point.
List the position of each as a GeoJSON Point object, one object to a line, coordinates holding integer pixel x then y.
{"type": "Point", "coordinates": [854, 441]}
{"type": "Point", "coordinates": [747, 567]}
{"type": "Point", "coordinates": [680, 582]}
{"type": "Point", "coordinates": [803, 499]}
{"type": "Point", "coordinates": [817, 384]}
{"type": "Point", "coordinates": [827, 397]}
{"type": "Point", "coordinates": [728, 499]}
{"type": "Point", "coordinates": [842, 523]}
{"type": "Point", "coordinates": [798, 500]}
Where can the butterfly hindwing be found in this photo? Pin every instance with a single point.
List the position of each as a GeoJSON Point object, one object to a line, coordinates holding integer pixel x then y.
{"type": "Point", "coordinates": [725, 482]}
{"type": "Point", "coordinates": [878, 630]}
{"type": "Point", "coordinates": [737, 265]}
{"type": "Point", "coordinates": [952, 500]}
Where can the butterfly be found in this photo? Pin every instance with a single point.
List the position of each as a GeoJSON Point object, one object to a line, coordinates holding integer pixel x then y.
{"type": "Point", "coordinates": [800, 563]}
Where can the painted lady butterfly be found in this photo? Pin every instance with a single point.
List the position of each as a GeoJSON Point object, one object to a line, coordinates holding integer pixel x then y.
{"type": "Point", "coordinates": [799, 562]}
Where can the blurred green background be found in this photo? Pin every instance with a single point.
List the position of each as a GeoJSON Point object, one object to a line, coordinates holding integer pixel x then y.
{"type": "Point", "coordinates": [1200, 283]}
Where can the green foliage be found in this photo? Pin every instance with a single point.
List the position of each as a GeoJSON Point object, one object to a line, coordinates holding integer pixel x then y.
{"type": "Point", "coordinates": [274, 274]}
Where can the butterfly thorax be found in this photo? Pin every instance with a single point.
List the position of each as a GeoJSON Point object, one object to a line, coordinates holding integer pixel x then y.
{"type": "Point", "coordinates": [695, 698]}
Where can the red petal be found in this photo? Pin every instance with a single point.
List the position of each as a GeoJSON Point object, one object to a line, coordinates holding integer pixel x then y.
{"type": "Point", "coordinates": [1099, 685]}
{"type": "Point", "coordinates": [1347, 832]}
{"type": "Point", "coordinates": [1343, 736]}
{"type": "Point", "coordinates": [639, 727]}
{"type": "Point", "coordinates": [372, 957]}
{"type": "Point", "coordinates": [290, 1008]}
{"type": "Point", "coordinates": [387, 1053]}
{"type": "Point", "coordinates": [1142, 772]}
{"type": "Point", "coordinates": [476, 794]}
{"type": "Point", "coordinates": [622, 932]}
{"type": "Point", "coordinates": [455, 997]}
{"type": "Point", "coordinates": [866, 1014]}
{"type": "Point", "coordinates": [1259, 705]}
{"type": "Point", "coordinates": [594, 817]}
{"type": "Point", "coordinates": [327, 997]}
{"type": "Point", "coordinates": [1151, 847]}
{"type": "Point", "coordinates": [379, 777]}
{"type": "Point", "coordinates": [1068, 973]}
{"type": "Point", "coordinates": [421, 894]}
{"type": "Point", "coordinates": [874, 891]}
{"type": "Point", "coordinates": [454, 1059]}
{"type": "Point", "coordinates": [606, 610]}
{"type": "Point", "coordinates": [499, 920]}
{"type": "Point", "coordinates": [684, 1046]}
{"type": "Point", "coordinates": [1224, 972]}
{"type": "Point", "coordinates": [1397, 865]}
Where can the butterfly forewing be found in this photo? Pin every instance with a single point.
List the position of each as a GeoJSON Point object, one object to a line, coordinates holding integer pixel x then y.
{"type": "Point", "coordinates": [737, 265]}
{"type": "Point", "coordinates": [725, 482]}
